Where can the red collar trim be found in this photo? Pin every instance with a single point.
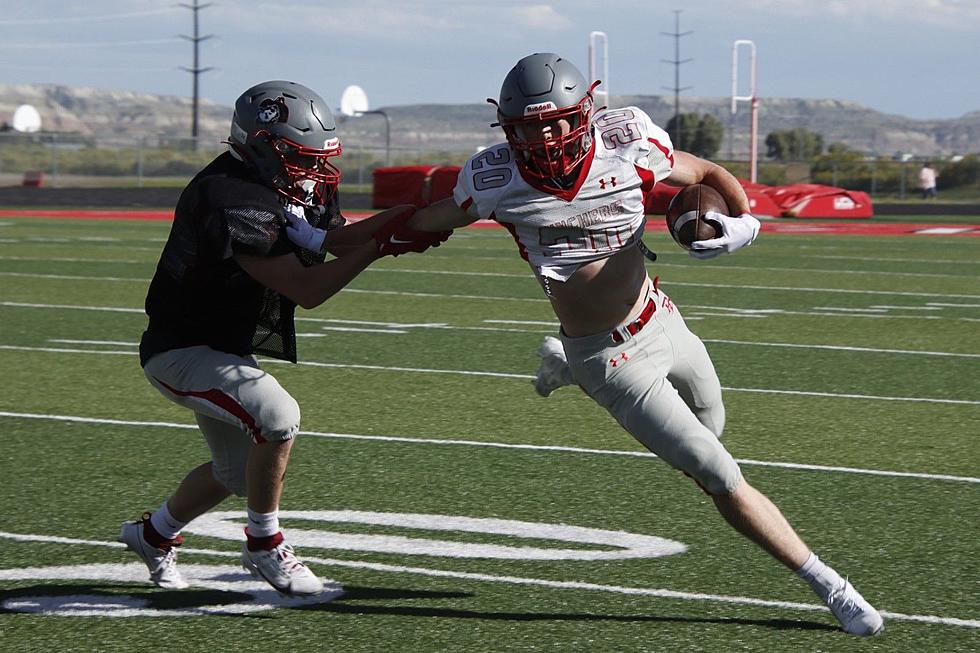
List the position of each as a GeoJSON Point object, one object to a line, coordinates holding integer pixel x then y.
{"type": "Point", "coordinates": [567, 194]}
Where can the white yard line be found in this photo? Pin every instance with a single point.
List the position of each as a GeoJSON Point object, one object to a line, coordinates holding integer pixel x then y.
{"type": "Point", "coordinates": [508, 375]}
{"type": "Point", "coordinates": [666, 283]}
{"type": "Point", "coordinates": [502, 445]}
{"type": "Point", "coordinates": [516, 580]}
{"type": "Point", "coordinates": [875, 350]}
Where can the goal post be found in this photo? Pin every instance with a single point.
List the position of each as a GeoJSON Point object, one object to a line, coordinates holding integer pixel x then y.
{"type": "Point", "coordinates": [752, 98]}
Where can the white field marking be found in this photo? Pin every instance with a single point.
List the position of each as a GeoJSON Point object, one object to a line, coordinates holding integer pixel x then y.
{"type": "Point", "coordinates": [527, 322]}
{"type": "Point", "coordinates": [835, 395]}
{"type": "Point", "coordinates": [59, 259]}
{"type": "Point", "coordinates": [93, 342]}
{"type": "Point", "coordinates": [361, 329]}
{"type": "Point", "coordinates": [73, 277]}
{"type": "Point", "coordinates": [739, 286]}
{"type": "Point", "coordinates": [944, 230]}
{"type": "Point", "coordinates": [841, 312]}
{"type": "Point", "coordinates": [99, 239]}
{"type": "Point", "coordinates": [709, 314]}
{"type": "Point", "coordinates": [875, 350]}
{"type": "Point", "coordinates": [391, 325]}
{"type": "Point", "coordinates": [750, 268]}
{"type": "Point", "coordinates": [399, 293]}
{"type": "Point", "coordinates": [111, 309]}
{"type": "Point", "coordinates": [524, 276]}
{"type": "Point", "coordinates": [889, 260]}
{"type": "Point", "coordinates": [952, 305]}
{"type": "Point", "coordinates": [618, 545]}
{"type": "Point", "coordinates": [507, 375]}
{"type": "Point", "coordinates": [845, 309]}
{"type": "Point", "coordinates": [514, 580]}
{"type": "Point", "coordinates": [221, 578]}
{"type": "Point", "coordinates": [906, 308]}
{"type": "Point", "coordinates": [9, 241]}
{"type": "Point", "coordinates": [504, 445]}
{"type": "Point", "coordinates": [434, 325]}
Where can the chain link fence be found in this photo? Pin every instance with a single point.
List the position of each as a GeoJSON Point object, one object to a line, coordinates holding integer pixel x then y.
{"type": "Point", "coordinates": [70, 160]}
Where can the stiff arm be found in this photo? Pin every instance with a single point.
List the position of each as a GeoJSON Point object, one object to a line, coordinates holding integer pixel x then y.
{"type": "Point", "coordinates": [443, 215]}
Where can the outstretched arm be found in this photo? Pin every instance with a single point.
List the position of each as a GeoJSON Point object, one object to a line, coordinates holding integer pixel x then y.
{"type": "Point", "coordinates": [308, 286]}
{"type": "Point", "coordinates": [443, 215]}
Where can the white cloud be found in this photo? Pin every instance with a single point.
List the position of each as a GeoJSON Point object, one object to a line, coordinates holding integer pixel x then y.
{"type": "Point", "coordinates": [950, 13]}
{"type": "Point", "coordinates": [542, 17]}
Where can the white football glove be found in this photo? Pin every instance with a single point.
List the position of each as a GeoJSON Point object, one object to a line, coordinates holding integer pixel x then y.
{"type": "Point", "coordinates": [736, 232]}
{"type": "Point", "coordinates": [301, 232]}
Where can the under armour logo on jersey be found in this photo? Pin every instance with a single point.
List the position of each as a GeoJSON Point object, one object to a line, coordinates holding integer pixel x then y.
{"type": "Point", "coordinates": [622, 358]}
{"type": "Point", "coordinates": [603, 182]}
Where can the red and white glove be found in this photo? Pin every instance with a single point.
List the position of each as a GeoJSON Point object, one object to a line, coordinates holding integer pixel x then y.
{"type": "Point", "coordinates": [736, 232]}
{"type": "Point", "coordinates": [395, 237]}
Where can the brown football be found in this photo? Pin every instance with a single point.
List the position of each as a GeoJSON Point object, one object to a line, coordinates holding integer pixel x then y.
{"type": "Point", "coordinates": [685, 214]}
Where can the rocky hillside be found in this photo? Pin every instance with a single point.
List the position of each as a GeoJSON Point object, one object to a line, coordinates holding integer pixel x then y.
{"type": "Point", "coordinates": [129, 115]}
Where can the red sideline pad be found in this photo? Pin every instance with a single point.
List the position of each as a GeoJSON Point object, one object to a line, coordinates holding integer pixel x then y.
{"type": "Point", "coordinates": [88, 215]}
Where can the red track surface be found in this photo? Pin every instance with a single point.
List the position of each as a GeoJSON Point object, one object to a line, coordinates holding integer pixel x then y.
{"type": "Point", "coordinates": [785, 226]}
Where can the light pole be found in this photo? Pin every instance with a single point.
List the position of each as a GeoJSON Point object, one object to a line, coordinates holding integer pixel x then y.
{"type": "Point", "coordinates": [387, 133]}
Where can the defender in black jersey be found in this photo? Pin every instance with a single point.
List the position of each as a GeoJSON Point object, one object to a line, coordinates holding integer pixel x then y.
{"type": "Point", "coordinates": [225, 289]}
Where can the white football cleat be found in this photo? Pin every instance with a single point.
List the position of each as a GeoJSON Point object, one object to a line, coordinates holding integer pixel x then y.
{"type": "Point", "coordinates": [280, 567]}
{"type": "Point", "coordinates": [162, 563]}
{"type": "Point", "coordinates": [856, 616]}
{"type": "Point", "coordinates": [553, 372]}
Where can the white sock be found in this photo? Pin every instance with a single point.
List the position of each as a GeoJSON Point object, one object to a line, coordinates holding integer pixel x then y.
{"type": "Point", "coordinates": [263, 524]}
{"type": "Point", "coordinates": [821, 577]}
{"type": "Point", "coordinates": [165, 524]}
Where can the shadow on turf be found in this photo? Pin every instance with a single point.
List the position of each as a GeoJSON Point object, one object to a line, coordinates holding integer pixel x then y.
{"type": "Point", "coordinates": [342, 605]}
{"type": "Point", "coordinates": [155, 599]}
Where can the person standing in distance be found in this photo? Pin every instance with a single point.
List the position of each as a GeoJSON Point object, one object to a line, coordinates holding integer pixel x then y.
{"type": "Point", "coordinates": [568, 185]}
{"type": "Point", "coordinates": [927, 180]}
{"type": "Point", "coordinates": [225, 289]}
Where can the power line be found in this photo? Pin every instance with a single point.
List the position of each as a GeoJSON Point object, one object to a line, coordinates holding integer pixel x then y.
{"type": "Point", "coordinates": [196, 70]}
{"type": "Point", "coordinates": [677, 34]}
{"type": "Point", "coordinates": [90, 44]}
{"type": "Point", "coordinates": [76, 19]}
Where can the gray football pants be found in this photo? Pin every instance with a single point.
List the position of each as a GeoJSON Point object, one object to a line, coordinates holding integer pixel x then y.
{"type": "Point", "coordinates": [235, 403]}
{"type": "Point", "coordinates": [661, 387]}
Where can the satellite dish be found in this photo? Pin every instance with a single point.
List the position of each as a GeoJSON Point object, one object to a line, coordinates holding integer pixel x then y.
{"type": "Point", "coordinates": [353, 101]}
{"type": "Point", "coordinates": [26, 119]}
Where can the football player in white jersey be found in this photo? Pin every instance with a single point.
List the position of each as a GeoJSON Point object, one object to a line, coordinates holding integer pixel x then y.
{"type": "Point", "coordinates": [568, 184]}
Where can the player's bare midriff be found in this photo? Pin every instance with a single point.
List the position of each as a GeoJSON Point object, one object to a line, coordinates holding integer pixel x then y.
{"type": "Point", "coordinates": [601, 294]}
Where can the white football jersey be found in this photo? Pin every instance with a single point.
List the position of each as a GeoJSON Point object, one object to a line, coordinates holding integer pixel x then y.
{"type": "Point", "coordinates": [598, 216]}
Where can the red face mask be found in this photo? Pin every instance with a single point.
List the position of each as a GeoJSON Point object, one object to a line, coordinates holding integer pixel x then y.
{"type": "Point", "coordinates": [553, 141]}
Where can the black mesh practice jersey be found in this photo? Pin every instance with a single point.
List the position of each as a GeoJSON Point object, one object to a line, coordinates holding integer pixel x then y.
{"type": "Point", "coordinates": [199, 294]}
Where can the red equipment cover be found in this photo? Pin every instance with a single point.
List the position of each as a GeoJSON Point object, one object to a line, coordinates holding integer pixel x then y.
{"type": "Point", "coordinates": [817, 201]}
{"type": "Point", "coordinates": [442, 183]}
{"type": "Point", "coordinates": [401, 185]}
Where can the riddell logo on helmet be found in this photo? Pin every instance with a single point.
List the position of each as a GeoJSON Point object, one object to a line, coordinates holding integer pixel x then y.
{"type": "Point", "coordinates": [533, 109]}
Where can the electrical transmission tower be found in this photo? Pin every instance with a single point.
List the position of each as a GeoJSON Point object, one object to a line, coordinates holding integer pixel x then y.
{"type": "Point", "coordinates": [677, 61]}
{"type": "Point", "coordinates": [196, 69]}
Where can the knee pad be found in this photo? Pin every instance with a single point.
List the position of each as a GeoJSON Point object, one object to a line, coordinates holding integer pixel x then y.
{"type": "Point", "coordinates": [279, 420]}
{"type": "Point", "coordinates": [711, 467]}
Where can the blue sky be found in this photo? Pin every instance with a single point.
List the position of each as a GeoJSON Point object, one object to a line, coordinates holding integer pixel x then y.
{"type": "Point", "coordinates": [916, 58]}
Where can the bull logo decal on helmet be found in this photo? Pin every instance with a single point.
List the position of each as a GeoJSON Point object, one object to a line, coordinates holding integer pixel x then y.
{"type": "Point", "coordinates": [271, 111]}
